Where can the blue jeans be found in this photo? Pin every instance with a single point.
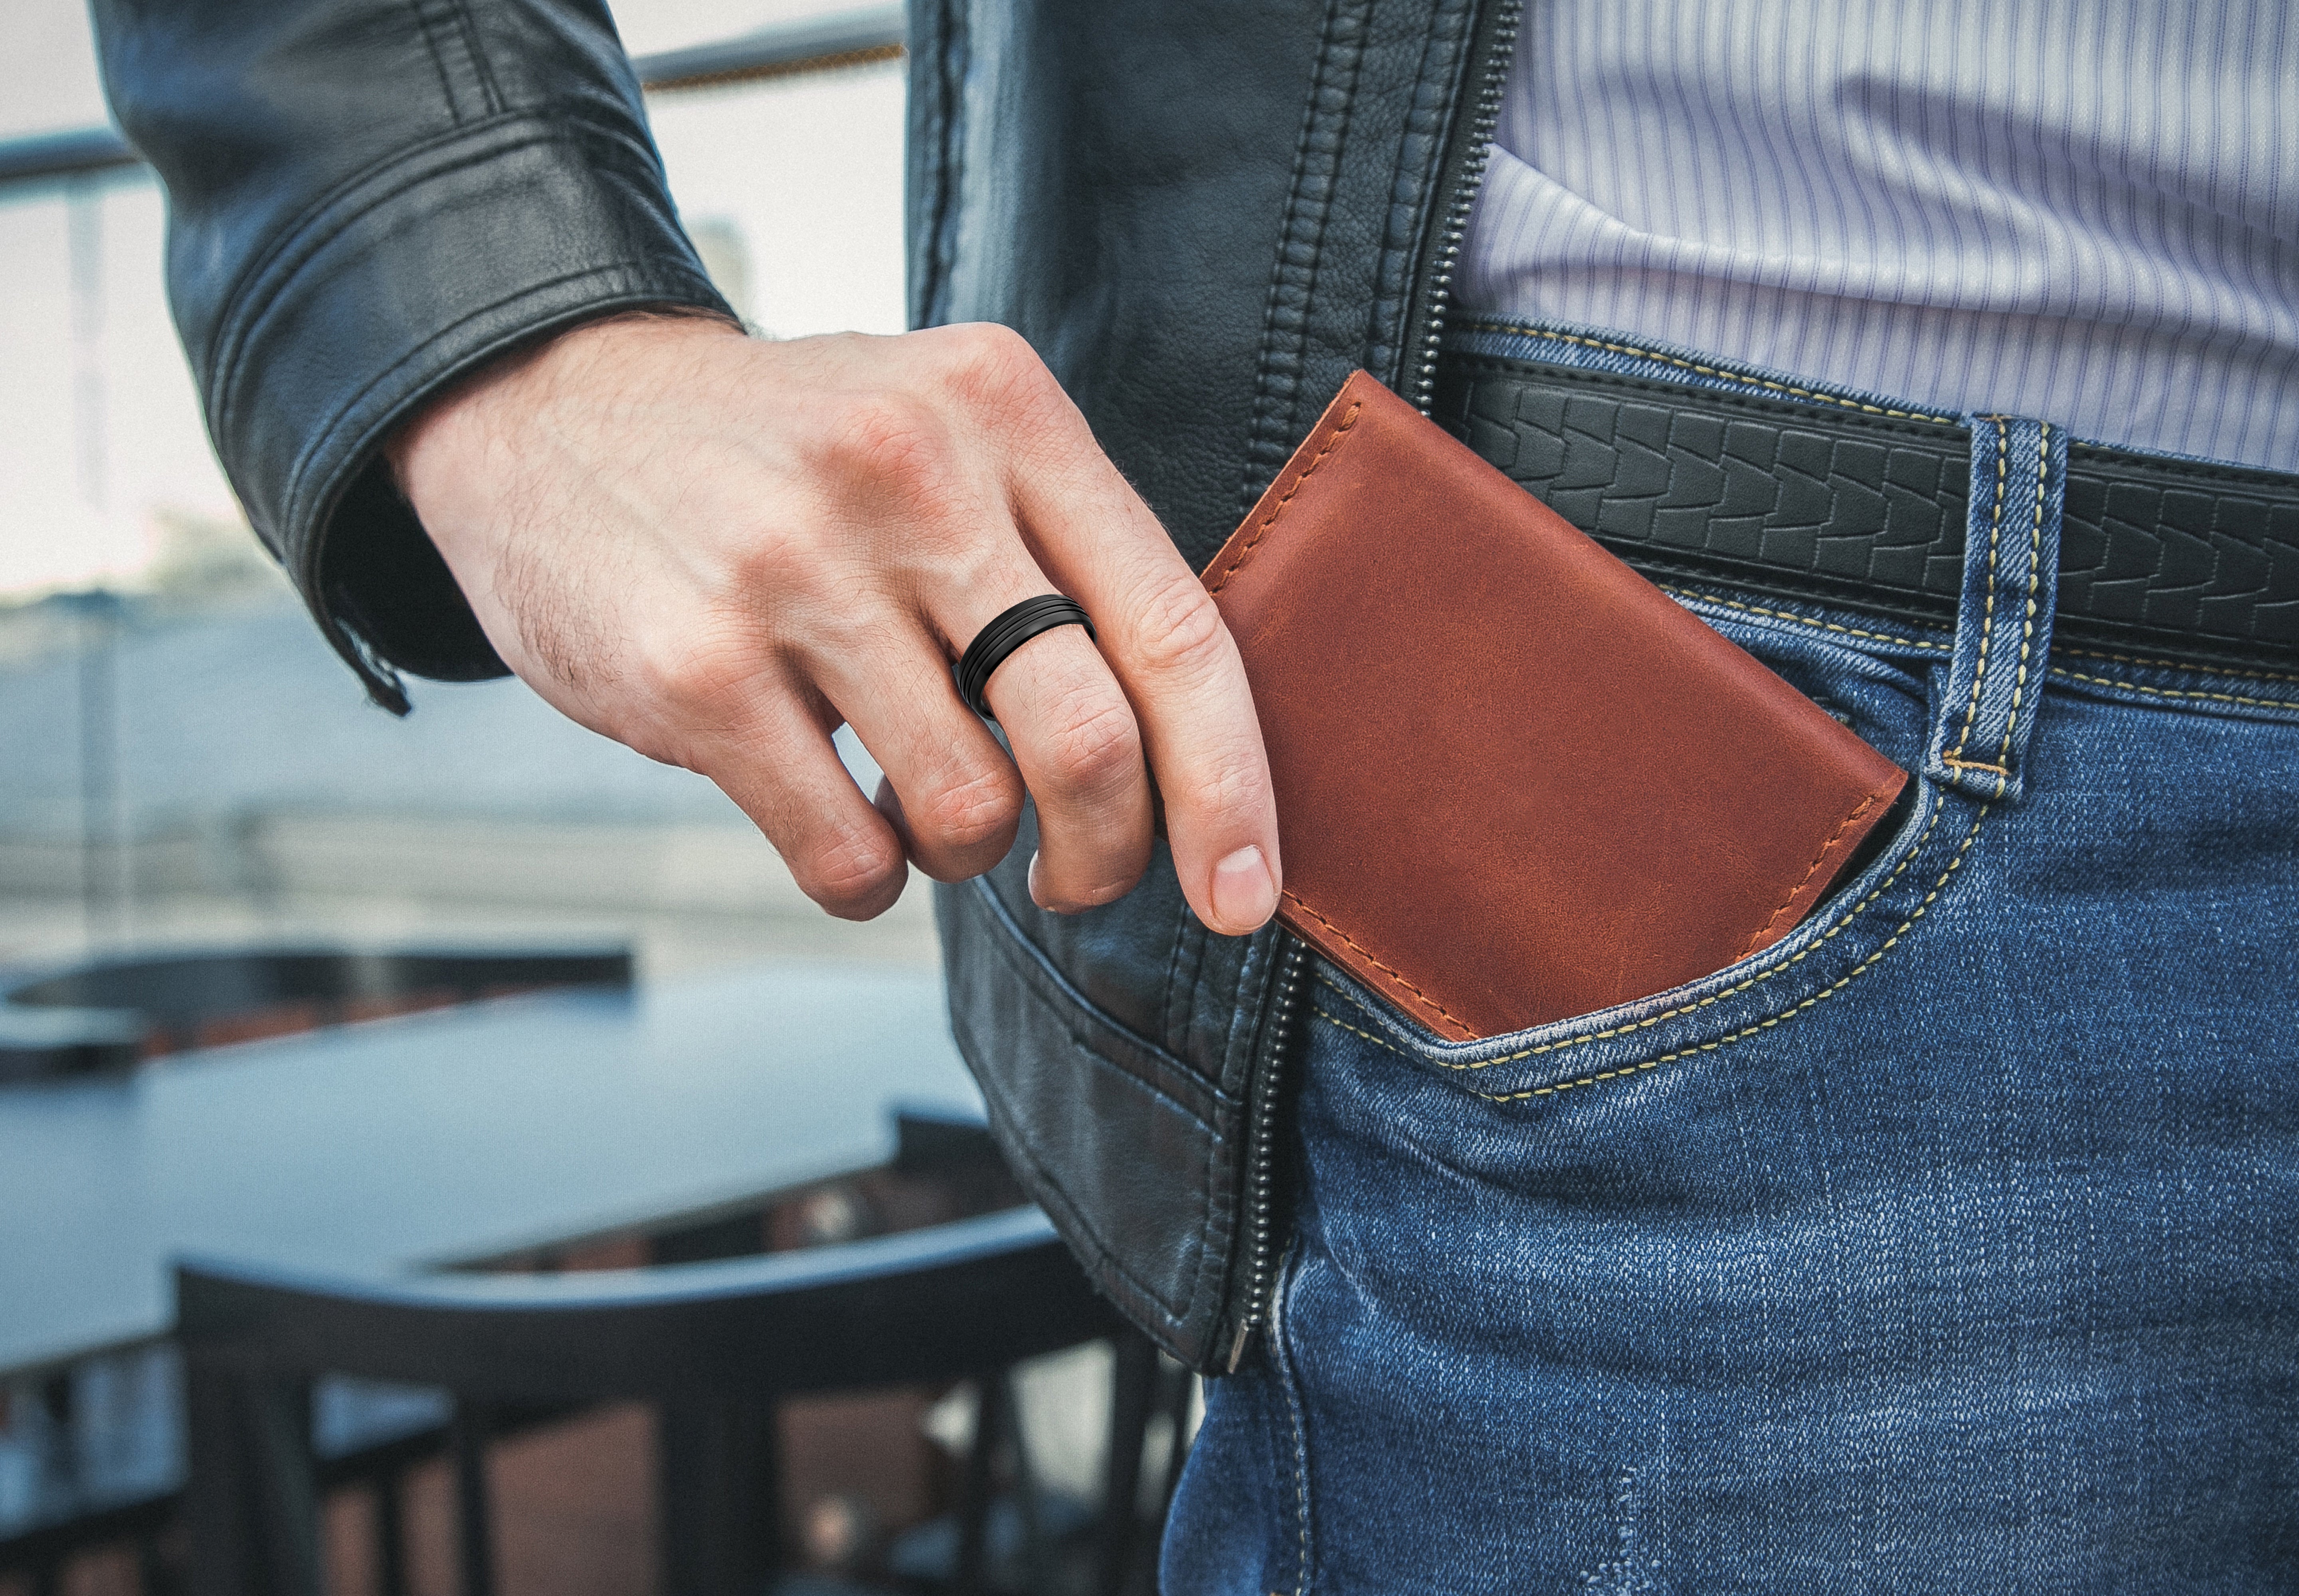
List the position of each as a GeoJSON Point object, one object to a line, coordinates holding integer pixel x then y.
{"type": "Point", "coordinates": [1951, 1244]}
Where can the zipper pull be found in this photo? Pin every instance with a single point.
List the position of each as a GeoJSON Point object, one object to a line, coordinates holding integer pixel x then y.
{"type": "Point", "coordinates": [1237, 1347]}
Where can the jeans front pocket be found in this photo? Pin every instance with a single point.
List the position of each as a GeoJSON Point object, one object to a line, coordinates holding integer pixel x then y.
{"type": "Point", "coordinates": [1881, 696]}
{"type": "Point", "coordinates": [1510, 1253]}
{"type": "Point", "coordinates": [1843, 1257]}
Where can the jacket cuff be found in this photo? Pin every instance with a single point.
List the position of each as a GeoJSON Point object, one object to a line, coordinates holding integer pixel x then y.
{"type": "Point", "coordinates": [402, 281]}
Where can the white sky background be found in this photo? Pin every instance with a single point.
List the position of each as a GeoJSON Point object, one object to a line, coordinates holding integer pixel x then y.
{"type": "Point", "coordinates": [808, 173]}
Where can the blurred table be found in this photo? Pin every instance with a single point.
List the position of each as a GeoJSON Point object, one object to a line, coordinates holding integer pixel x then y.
{"type": "Point", "coordinates": [451, 1137]}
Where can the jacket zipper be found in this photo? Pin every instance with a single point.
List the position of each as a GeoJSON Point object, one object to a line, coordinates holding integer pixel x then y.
{"type": "Point", "coordinates": [1473, 156]}
{"type": "Point", "coordinates": [1467, 161]}
{"type": "Point", "coordinates": [1261, 1140]}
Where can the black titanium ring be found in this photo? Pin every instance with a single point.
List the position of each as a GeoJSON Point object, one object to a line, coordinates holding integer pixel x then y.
{"type": "Point", "coordinates": [1010, 631]}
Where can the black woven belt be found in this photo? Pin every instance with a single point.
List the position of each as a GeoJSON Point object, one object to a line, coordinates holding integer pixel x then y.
{"type": "Point", "coordinates": [1802, 500]}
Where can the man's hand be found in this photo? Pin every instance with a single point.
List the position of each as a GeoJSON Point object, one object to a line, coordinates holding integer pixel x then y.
{"type": "Point", "coordinates": [715, 549]}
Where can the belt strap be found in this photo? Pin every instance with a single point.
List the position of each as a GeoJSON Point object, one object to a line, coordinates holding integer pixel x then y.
{"type": "Point", "coordinates": [1854, 505]}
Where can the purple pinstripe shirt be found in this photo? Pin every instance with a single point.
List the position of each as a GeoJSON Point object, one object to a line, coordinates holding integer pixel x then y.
{"type": "Point", "coordinates": [2082, 211]}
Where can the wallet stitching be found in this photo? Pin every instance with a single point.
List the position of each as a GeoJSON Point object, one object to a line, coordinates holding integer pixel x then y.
{"type": "Point", "coordinates": [1765, 1024]}
{"type": "Point", "coordinates": [1270, 525]}
{"type": "Point", "coordinates": [1783, 1016]}
{"type": "Point", "coordinates": [1669, 359]}
{"type": "Point", "coordinates": [1882, 887]}
{"type": "Point", "coordinates": [1394, 975]}
{"type": "Point", "coordinates": [1812, 870]}
{"type": "Point", "coordinates": [1245, 554]}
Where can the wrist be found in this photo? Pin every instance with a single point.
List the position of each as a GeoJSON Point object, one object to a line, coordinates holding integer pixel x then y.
{"type": "Point", "coordinates": [415, 448]}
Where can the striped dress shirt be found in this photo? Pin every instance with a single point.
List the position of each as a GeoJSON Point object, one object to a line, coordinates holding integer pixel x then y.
{"type": "Point", "coordinates": [2081, 210]}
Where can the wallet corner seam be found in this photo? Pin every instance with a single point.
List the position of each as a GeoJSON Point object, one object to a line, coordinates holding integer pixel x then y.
{"type": "Point", "coordinates": [1245, 554]}
{"type": "Point", "coordinates": [1387, 975]}
{"type": "Point", "coordinates": [1756, 941]}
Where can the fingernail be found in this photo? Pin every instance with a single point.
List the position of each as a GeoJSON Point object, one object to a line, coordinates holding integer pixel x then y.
{"type": "Point", "coordinates": [1035, 896]}
{"type": "Point", "coordinates": [1245, 894]}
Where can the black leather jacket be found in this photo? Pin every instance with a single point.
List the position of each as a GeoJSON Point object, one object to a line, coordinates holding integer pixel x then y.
{"type": "Point", "coordinates": [1203, 213]}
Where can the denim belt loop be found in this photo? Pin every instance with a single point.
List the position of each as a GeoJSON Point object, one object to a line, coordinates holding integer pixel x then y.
{"type": "Point", "coordinates": [2003, 620]}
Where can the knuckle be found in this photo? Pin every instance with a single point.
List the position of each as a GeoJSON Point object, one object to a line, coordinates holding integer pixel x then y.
{"type": "Point", "coordinates": [1179, 631]}
{"type": "Point", "coordinates": [994, 367]}
{"type": "Point", "coordinates": [894, 439]}
{"type": "Point", "coordinates": [1093, 747]}
{"type": "Point", "coordinates": [974, 810]}
{"type": "Point", "coordinates": [983, 346]}
{"type": "Point", "coordinates": [690, 673]}
{"type": "Point", "coordinates": [846, 871]}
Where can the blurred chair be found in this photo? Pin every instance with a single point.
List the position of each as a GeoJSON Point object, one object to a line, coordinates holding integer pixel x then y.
{"type": "Point", "coordinates": [103, 1014]}
{"type": "Point", "coordinates": [106, 1013]}
{"type": "Point", "coordinates": [715, 1345]}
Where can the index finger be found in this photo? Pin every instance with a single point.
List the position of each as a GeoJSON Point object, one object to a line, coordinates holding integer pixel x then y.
{"type": "Point", "coordinates": [1169, 650]}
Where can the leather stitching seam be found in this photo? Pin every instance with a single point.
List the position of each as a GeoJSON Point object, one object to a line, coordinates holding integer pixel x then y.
{"type": "Point", "coordinates": [1881, 887]}
{"type": "Point", "coordinates": [1628, 1071]}
{"type": "Point", "coordinates": [323, 436]}
{"type": "Point", "coordinates": [1301, 242]}
{"type": "Point", "coordinates": [1408, 182]}
{"type": "Point", "coordinates": [1266, 367]}
{"type": "Point", "coordinates": [1010, 949]}
{"type": "Point", "coordinates": [1269, 525]}
{"type": "Point", "coordinates": [945, 117]}
{"type": "Point", "coordinates": [1047, 1185]}
{"type": "Point", "coordinates": [475, 51]}
{"type": "Point", "coordinates": [1395, 977]}
{"type": "Point", "coordinates": [1170, 1079]}
{"type": "Point", "coordinates": [439, 63]}
{"type": "Point", "coordinates": [1710, 371]}
{"type": "Point", "coordinates": [1771, 406]}
{"type": "Point", "coordinates": [1826, 848]}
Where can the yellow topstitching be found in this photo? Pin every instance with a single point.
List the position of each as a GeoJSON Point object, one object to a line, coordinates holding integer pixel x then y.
{"type": "Point", "coordinates": [1798, 957]}
{"type": "Point", "coordinates": [2188, 665]}
{"type": "Point", "coordinates": [1765, 1024]}
{"type": "Point", "coordinates": [1987, 613]}
{"type": "Point", "coordinates": [2109, 681]}
{"type": "Point", "coordinates": [2028, 623]}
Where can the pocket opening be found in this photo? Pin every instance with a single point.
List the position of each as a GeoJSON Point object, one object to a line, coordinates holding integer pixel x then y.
{"type": "Point", "coordinates": [1873, 912]}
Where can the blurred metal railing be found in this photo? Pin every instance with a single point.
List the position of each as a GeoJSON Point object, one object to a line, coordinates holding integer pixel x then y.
{"type": "Point", "coordinates": [823, 44]}
{"type": "Point", "coordinates": [788, 50]}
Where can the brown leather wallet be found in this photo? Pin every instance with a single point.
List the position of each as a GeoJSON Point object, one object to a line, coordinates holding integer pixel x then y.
{"type": "Point", "coordinates": [1515, 781]}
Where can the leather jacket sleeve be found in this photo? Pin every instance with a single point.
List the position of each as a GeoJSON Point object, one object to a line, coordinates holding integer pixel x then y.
{"type": "Point", "coordinates": [368, 199]}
